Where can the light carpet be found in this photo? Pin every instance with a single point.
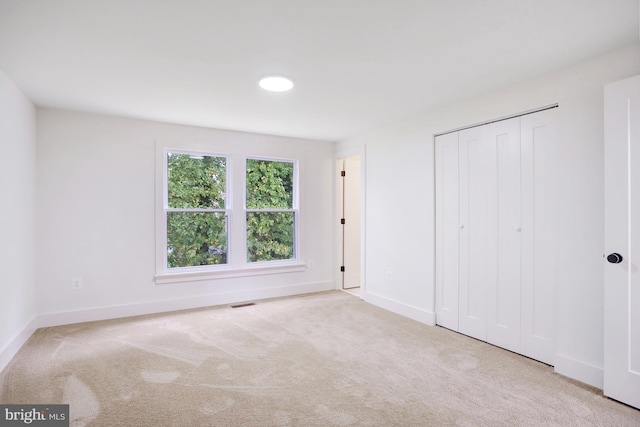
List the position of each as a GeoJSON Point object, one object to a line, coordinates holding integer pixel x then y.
{"type": "Point", "coordinates": [326, 359]}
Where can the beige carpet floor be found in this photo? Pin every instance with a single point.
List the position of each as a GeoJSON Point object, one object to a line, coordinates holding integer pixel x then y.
{"type": "Point", "coordinates": [326, 359]}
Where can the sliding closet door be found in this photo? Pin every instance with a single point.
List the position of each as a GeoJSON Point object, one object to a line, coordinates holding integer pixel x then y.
{"type": "Point", "coordinates": [494, 233]}
{"type": "Point", "coordinates": [474, 232]}
{"type": "Point", "coordinates": [504, 254]}
{"type": "Point", "coordinates": [447, 230]}
{"type": "Point", "coordinates": [537, 338]}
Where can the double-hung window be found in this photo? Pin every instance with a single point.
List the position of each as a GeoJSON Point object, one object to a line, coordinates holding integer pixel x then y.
{"type": "Point", "coordinates": [202, 230]}
{"type": "Point", "coordinates": [196, 209]}
{"type": "Point", "coordinates": [271, 210]}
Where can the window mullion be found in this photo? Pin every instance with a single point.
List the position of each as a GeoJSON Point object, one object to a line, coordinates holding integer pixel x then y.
{"type": "Point", "coordinates": [271, 210]}
{"type": "Point", "coordinates": [196, 210]}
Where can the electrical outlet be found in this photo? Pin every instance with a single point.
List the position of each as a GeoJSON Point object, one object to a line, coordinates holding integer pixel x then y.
{"type": "Point", "coordinates": [310, 263]}
{"type": "Point", "coordinates": [388, 275]}
{"type": "Point", "coordinates": [76, 282]}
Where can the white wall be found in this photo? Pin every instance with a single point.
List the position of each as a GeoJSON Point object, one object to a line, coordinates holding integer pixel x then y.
{"type": "Point", "coordinates": [96, 186]}
{"type": "Point", "coordinates": [400, 202]}
{"type": "Point", "coordinates": [17, 227]}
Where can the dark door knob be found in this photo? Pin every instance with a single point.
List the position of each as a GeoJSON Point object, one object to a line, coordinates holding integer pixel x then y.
{"type": "Point", "coordinates": [614, 258]}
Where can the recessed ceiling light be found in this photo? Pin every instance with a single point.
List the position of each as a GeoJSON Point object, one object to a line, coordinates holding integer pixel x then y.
{"type": "Point", "coordinates": [276, 84]}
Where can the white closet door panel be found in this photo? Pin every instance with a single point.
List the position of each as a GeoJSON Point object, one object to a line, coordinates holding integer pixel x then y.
{"type": "Point", "coordinates": [473, 234]}
{"type": "Point", "coordinates": [503, 307]}
{"type": "Point", "coordinates": [537, 291]}
{"type": "Point", "coordinates": [447, 230]}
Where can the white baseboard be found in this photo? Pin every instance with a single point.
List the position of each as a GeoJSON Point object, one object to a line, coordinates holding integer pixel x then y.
{"type": "Point", "coordinates": [578, 370]}
{"type": "Point", "coordinates": [114, 312]}
{"type": "Point", "coordinates": [12, 347]}
{"type": "Point", "coordinates": [406, 310]}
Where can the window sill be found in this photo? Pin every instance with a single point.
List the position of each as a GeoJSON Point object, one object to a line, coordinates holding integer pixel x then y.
{"type": "Point", "coordinates": [226, 272]}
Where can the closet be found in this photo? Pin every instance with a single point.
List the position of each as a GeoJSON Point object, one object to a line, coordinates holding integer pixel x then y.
{"type": "Point", "coordinates": [494, 233]}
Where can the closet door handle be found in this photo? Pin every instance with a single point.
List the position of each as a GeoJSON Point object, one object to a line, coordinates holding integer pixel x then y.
{"type": "Point", "coordinates": [614, 258]}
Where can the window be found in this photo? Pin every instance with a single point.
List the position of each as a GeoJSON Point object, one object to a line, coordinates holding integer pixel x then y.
{"type": "Point", "coordinates": [204, 232]}
{"type": "Point", "coordinates": [195, 208]}
{"type": "Point", "coordinates": [270, 205]}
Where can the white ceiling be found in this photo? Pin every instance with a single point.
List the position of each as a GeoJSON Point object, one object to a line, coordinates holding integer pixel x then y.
{"type": "Point", "coordinates": [356, 64]}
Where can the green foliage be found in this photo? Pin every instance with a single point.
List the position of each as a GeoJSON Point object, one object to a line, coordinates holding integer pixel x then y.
{"type": "Point", "coordinates": [196, 182]}
{"type": "Point", "coordinates": [196, 238]}
{"type": "Point", "coordinates": [269, 184]}
{"type": "Point", "coordinates": [270, 235]}
{"type": "Point", "coordinates": [200, 238]}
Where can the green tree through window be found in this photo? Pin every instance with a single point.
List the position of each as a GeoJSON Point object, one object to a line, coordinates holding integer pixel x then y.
{"type": "Point", "coordinates": [196, 215]}
{"type": "Point", "coordinates": [270, 210]}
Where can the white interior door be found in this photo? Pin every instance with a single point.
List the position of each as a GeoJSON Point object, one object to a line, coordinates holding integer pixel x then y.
{"type": "Point", "coordinates": [622, 242]}
{"type": "Point", "coordinates": [351, 227]}
{"type": "Point", "coordinates": [447, 230]}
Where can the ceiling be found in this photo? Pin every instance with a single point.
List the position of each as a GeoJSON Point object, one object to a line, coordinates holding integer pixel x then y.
{"type": "Point", "coordinates": [357, 64]}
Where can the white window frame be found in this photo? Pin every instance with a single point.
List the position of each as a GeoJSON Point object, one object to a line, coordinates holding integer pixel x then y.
{"type": "Point", "coordinates": [295, 209]}
{"type": "Point", "coordinates": [237, 265]}
{"type": "Point", "coordinates": [167, 209]}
